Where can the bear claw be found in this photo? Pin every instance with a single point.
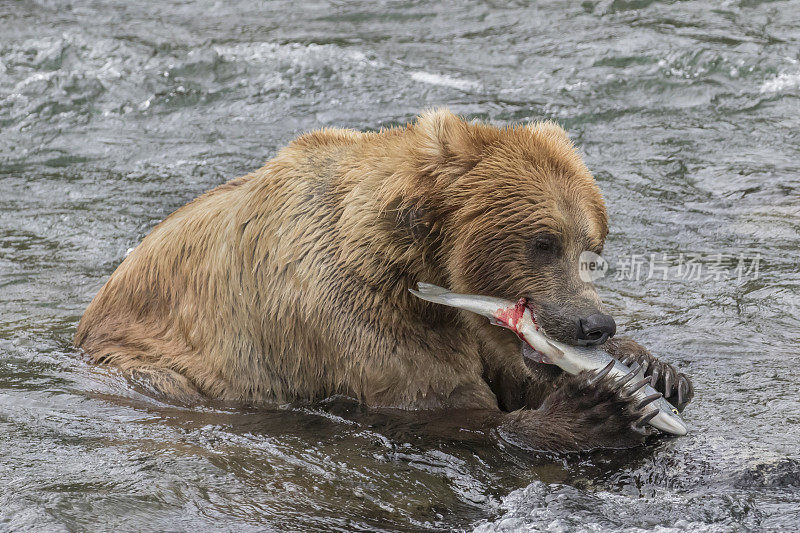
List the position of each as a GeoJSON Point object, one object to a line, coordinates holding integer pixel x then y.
{"type": "Point", "coordinates": [629, 376]}
{"type": "Point", "coordinates": [602, 373]}
{"type": "Point", "coordinates": [674, 385]}
{"type": "Point", "coordinates": [648, 400]}
{"type": "Point", "coordinates": [636, 386]}
{"type": "Point", "coordinates": [645, 419]}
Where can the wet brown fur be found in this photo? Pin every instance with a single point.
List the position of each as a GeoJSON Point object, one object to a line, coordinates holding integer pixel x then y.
{"type": "Point", "coordinates": [291, 283]}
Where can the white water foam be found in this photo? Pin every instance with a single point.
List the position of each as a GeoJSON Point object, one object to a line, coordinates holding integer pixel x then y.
{"type": "Point", "coordinates": [782, 83]}
{"type": "Point", "coordinates": [444, 81]}
{"type": "Point", "coordinates": [562, 509]}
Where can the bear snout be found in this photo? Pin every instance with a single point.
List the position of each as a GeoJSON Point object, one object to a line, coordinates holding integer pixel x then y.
{"type": "Point", "coordinates": [594, 329]}
{"type": "Point", "coordinates": [575, 324]}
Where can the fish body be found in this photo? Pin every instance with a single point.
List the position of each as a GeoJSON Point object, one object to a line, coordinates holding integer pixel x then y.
{"type": "Point", "coordinates": [572, 359]}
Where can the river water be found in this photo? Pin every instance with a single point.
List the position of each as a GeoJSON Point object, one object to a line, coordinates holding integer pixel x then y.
{"type": "Point", "coordinates": [113, 114]}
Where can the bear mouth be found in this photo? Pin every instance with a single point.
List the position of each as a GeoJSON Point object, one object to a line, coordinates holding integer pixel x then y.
{"type": "Point", "coordinates": [529, 353]}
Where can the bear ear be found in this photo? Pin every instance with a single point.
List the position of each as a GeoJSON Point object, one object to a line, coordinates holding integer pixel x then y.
{"type": "Point", "coordinates": [453, 145]}
{"type": "Point", "coordinates": [548, 129]}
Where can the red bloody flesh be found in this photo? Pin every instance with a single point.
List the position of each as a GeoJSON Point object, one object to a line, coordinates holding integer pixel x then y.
{"type": "Point", "coordinates": [509, 317]}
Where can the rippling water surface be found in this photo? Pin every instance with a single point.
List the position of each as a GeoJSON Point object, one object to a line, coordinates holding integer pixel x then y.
{"type": "Point", "coordinates": [113, 114]}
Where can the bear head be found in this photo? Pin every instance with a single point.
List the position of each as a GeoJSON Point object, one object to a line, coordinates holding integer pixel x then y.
{"type": "Point", "coordinates": [507, 212]}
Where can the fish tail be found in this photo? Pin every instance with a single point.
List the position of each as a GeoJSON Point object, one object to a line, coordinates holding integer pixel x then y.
{"type": "Point", "coordinates": [429, 289]}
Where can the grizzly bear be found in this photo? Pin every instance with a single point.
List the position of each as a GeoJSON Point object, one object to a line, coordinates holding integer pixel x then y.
{"type": "Point", "coordinates": [291, 283]}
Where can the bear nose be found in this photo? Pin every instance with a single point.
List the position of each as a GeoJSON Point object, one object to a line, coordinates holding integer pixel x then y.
{"type": "Point", "coordinates": [595, 329]}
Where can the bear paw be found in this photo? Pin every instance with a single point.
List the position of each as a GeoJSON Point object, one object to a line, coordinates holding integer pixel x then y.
{"type": "Point", "coordinates": [674, 385]}
{"type": "Point", "coordinates": [598, 411]}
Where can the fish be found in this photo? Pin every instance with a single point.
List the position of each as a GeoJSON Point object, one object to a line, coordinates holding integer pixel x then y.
{"type": "Point", "coordinates": [519, 318]}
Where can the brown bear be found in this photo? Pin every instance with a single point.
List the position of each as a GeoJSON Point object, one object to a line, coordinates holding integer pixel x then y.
{"type": "Point", "coordinates": [291, 283]}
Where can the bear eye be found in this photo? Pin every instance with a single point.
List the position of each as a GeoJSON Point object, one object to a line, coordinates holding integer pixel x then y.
{"type": "Point", "coordinates": [544, 243]}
